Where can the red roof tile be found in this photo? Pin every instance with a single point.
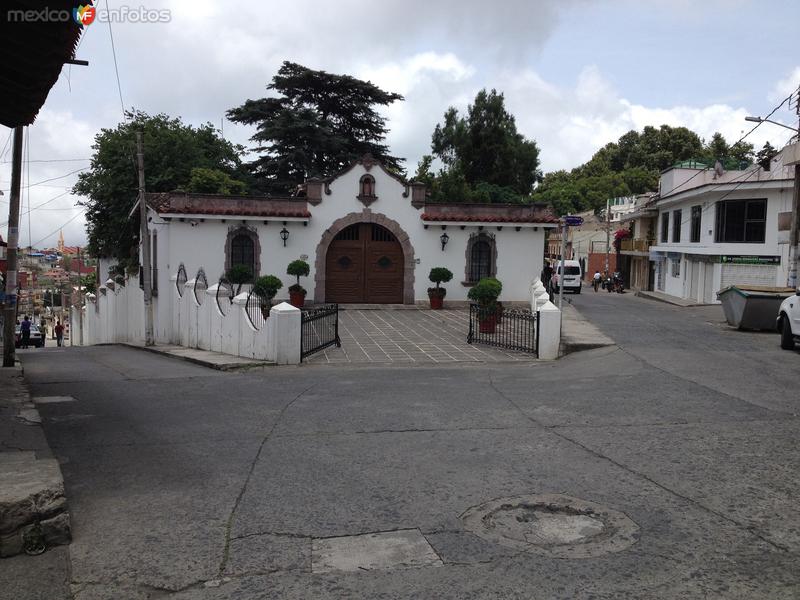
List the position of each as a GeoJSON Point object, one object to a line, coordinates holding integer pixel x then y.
{"type": "Point", "coordinates": [489, 213]}
{"type": "Point", "coordinates": [240, 206]}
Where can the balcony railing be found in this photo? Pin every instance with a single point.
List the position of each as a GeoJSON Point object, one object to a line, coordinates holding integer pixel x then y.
{"type": "Point", "coordinates": [636, 245]}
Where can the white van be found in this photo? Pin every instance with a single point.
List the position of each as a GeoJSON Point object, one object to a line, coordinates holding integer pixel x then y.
{"type": "Point", "coordinates": [572, 276]}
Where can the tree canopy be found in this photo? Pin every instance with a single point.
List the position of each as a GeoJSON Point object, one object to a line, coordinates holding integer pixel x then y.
{"type": "Point", "coordinates": [176, 156]}
{"type": "Point", "coordinates": [632, 165]}
{"type": "Point", "coordinates": [484, 158]}
{"type": "Point", "coordinates": [314, 125]}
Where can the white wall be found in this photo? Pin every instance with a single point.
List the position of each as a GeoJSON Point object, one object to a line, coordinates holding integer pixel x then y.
{"type": "Point", "coordinates": [196, 244]}
{"type": "Point", "coordinates": [117, 316]}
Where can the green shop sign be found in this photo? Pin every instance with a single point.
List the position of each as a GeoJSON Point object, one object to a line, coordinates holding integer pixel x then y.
{"type": "Point", "coordinates": [750, 260]}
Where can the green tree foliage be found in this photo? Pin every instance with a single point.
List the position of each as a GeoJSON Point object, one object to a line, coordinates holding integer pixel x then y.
{"type": "Point", "coordinates": [484, 157]}
{"type": "Point", "coordinates": [314, 125]}
{"type": "Point", "coordinates": [172, 150]}
{"type": "Point", "coordinates": [214, 181]}
{"type": "Point", "coordinates": [765, 155]}
{"type": "Point", "coordinates": [632, 165]}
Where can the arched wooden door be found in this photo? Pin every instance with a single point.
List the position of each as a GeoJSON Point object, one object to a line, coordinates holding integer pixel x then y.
{"type": "Point", "coordinates": [364, 264]}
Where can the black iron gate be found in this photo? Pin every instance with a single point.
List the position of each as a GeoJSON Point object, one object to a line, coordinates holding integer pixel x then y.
{"type": "Point", "coordinates": [511, 328]}
{"type": "Point", "coordinates": [319, 329]}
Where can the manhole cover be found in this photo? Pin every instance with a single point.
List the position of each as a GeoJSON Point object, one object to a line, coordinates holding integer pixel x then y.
{"type": "Point", "coordinates": [554, 525]}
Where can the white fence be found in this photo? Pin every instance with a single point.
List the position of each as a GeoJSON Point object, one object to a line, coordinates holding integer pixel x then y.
{"type": "Point", "coordinates": [116, 315]}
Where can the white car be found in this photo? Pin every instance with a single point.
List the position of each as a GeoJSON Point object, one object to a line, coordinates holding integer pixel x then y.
{"type": "Point", "coordinates": [572, 276]}
{"type": "Point", "coordinates": [789, 321]}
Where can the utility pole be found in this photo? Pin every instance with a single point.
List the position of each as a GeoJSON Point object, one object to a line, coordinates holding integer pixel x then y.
{"type": "Point", "coordinates": [608, 232]}
{"type": "Point", "coordinates": [561, 268]}
{"type": "Point", "coordinates": [81, 300]}
{"type": "Point", "coordinates": [794, 233]}
{"type": "Point", "coordinates": [144, 235]}
{"type": "Point", "coordinates": [10, 323]}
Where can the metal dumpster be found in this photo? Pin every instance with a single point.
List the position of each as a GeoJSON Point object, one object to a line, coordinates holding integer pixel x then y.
{"type": "Point", "coordinates": [752, 306]}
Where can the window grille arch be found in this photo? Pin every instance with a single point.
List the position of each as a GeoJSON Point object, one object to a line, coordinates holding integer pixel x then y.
{"type": "Point", "coordinates": [481, 257]}
{"type": "Point", "coordinates": [242, 246]}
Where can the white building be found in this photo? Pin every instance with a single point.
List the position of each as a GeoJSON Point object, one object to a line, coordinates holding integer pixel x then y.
{"type": "Point", "coordinates": [719, 229]}
{"type": "Point", "coordinates": [369, 237]}
{"type": "Point", "coordinates": [621, 206]}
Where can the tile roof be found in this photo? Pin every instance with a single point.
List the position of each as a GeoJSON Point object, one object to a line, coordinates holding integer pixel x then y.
{"type": "Point", "coordinates": [235, 206]}
{"type": "Point", "coordinates": [489, 213]}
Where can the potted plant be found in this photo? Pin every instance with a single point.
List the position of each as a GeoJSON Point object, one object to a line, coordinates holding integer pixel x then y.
{"type": "Point", "coordinates": [239, 275]}
{"type": "Point", "coordinates": [297, 293]}
{"type": "Point", "coordinates": [265, 288]}
{"type": "Point", "coordinates": [436, 294]}
{"type": "Point", "coordinates": [485, 294]}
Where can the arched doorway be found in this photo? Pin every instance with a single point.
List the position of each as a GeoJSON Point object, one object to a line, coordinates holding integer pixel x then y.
{"type": "Point", "coordinates": [364, 264]}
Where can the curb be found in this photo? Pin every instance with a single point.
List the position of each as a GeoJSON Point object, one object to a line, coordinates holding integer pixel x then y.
{"type": "Point", "coordinates": [34, 514]}
{"type": "Point", "coordinates": [198, 361]}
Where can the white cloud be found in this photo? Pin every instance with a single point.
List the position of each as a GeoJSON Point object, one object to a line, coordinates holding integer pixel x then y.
{"type": "Point", "coordinates": [786, 86]}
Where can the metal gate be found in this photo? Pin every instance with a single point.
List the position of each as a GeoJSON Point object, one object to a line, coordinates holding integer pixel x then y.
{"type": "Point", "coordinates": [319, 329]}
{"type": "Point", "coordinates": [511, 328]}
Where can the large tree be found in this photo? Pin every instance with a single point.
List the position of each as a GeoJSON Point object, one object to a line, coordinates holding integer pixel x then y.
{"type": "Point", "coordinates": [315, 124]}
{"type": "Point", "coordinates": [632, 164]}
{"type": "Point", "coordinates": [176, 156]}
{"type": "Point", "coordinates": [483, 150]}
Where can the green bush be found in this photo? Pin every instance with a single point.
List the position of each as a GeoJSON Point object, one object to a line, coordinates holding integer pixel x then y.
{"type": "Point", "coordinates": [439, 275]}
{"type": "Point", "coordinates": [486, 292]}
{"type": "Point", "coordinates": [298, 268]}
{"type": "Point", "coordinates": [239, 275]}
{"type": "Point", "coordinates": [267, 286]}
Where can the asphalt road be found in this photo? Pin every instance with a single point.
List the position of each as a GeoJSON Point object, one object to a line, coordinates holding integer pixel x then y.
{"type": "Point", "coordinates": [188, 483]}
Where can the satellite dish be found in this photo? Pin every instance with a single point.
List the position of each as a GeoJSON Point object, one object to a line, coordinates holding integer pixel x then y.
{"type": "Point", "coordinates": [718, 170]}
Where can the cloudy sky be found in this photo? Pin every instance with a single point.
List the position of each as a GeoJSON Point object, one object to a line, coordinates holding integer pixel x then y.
{"type": "Point", "coordinates": [576, 74]}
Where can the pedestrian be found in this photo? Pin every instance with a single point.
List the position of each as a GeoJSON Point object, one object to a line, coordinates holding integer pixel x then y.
{"type": "Point", "coordinates": [59, 329]}
{"type": "Point", "coordinates": [25, 329]}
{"type": "Point", "coordinates": [547, 273]}
{"type": "Point", "coordinates": [596, 280]}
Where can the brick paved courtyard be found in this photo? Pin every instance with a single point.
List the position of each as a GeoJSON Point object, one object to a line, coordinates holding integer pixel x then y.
{"type": "Point", "coordinates": [409, 336]}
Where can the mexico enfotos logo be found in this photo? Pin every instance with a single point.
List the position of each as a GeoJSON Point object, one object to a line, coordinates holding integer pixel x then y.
{"type": "Point", "coordinates": [87, 14]}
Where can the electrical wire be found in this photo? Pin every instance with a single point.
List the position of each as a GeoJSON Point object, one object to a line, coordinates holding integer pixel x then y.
{"type": "Point", "coordinates": [116, 67]}
{"type": "Point", "coordinates": [53, 160]}
{"type": "Point", "coordinates": [741, 139]}
{"type": "Point", "coordinates": [67, 222]}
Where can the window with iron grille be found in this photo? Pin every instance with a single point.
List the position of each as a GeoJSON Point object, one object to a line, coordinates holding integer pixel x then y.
{"type": "Point", "coordinates": [697, 217]}
{"type": "Point", "coordinates": [741, 221]}
{"type": "Point", "coordinates": [676, 267]}
{"type": "Point", "coordinates": [243, 252]}
{"type": "Point", "coordinates": [480, 263]}
{"type": "Point", "coordinates": [664, 227]}
{"type": "Point", "coordinates": [676, 226]}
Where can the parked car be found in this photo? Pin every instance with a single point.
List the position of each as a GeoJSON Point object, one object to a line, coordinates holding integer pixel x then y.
{"type": "Point", "coordinates": [37, 339]}
{"type": "Point", "coordinates": [789, 321]}
{"type": "Point", "coordinates": [572, 276]}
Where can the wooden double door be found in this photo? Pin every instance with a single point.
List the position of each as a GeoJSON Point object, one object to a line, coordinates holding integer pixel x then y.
{"type": "Point", "coordinates": [364, 264]}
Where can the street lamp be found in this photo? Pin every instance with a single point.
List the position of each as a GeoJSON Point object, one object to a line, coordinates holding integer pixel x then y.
{"type": "Point", "coordinates": [794, 234]}
{"type": "Point", "coordinates": [444, 238]}
{"type": "Point", "coordinates": [760, 120]}
{"type": "Point", "coordinates": [284, 235]}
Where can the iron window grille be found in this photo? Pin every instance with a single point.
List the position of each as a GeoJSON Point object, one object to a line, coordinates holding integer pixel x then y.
{"type": "Point", "coordinates": [676, 226]}
{"type": "Point", "coordinates": [741, 221]}
{"type": "Point", "coordinates": [697, 218]}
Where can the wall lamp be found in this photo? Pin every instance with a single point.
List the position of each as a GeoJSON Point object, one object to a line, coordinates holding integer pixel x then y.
{"type": "Point", "coordinates": [284, 235]}
{"type": "Point", "coordinates": [444, 238]}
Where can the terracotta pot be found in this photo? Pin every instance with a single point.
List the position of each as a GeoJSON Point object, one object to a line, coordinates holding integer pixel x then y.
{"type": "Point", "coordinates": [487, 324]}
{"type": "Point", "coordinates": [437, 302]}
{"type": "Point", "coordinates": [297, 299]}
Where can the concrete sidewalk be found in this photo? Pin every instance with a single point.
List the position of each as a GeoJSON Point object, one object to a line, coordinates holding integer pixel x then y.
{"type": "Point", "coordinates": [674, 300]}
{"type": "Point", "coordinates": [206, 358]}
{"type": "Point", "coordinates": [33, 505]}
{"type": "Point", "coordinates": [579, 334]}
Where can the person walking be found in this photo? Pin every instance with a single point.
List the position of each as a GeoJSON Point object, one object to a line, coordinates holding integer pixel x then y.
{"type": "Point", "coordinates": [59, 329]}
{"type": "Point", "coordinates": [596, 280]}
{"type": "Point", "coordinates": [25, 330]}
